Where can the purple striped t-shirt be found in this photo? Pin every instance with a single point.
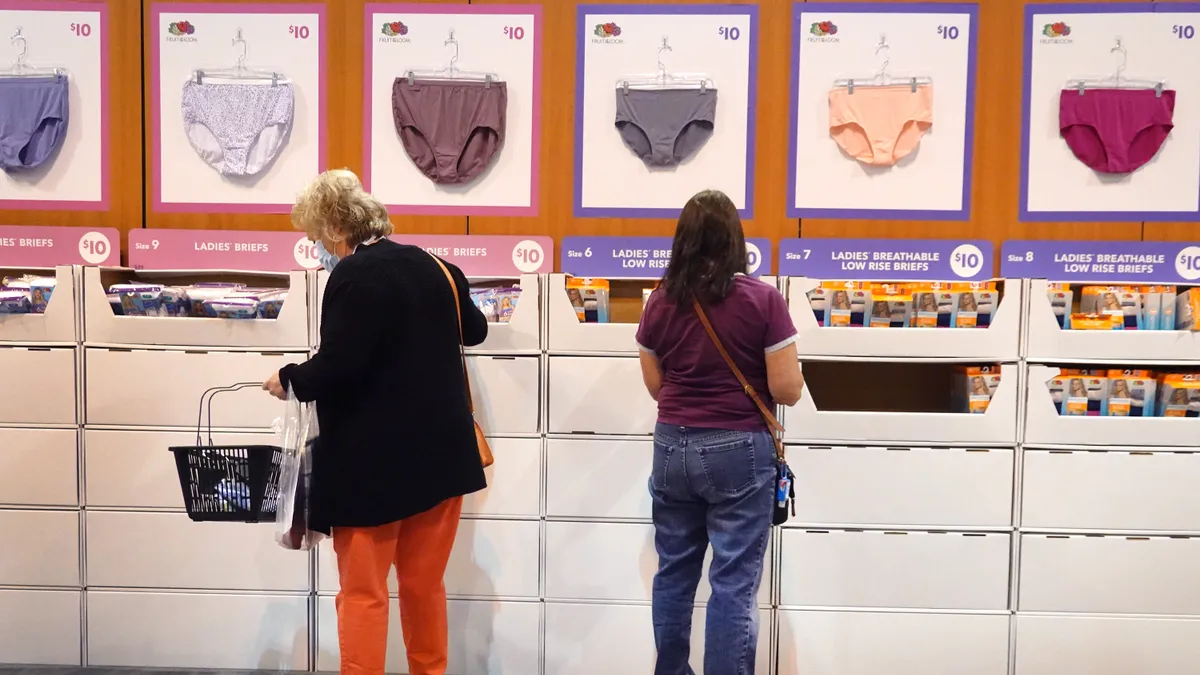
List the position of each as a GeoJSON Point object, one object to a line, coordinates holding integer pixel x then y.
{"type": "Point", "coordinates": [699, 389]}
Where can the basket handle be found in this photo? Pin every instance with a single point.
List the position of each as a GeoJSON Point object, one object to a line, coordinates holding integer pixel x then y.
{"type": "Point", "coordinates": [210, 394]}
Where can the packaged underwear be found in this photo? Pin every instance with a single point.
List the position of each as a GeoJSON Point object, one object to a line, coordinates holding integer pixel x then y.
{"type": "Point", "coordinates": [135, 299]}
{"type": "Point", "coordinates": [14, 301]}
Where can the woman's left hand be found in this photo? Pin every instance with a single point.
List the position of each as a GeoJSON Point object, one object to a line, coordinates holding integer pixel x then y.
{"type": "Point", "coordinates": [275, 388]}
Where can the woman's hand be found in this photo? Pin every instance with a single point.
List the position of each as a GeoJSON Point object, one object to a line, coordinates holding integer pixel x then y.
{"type": "Point", "coordinates": [275, 388]}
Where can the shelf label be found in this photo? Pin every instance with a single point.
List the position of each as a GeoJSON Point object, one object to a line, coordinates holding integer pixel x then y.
{"type": "Point", "coordinates": [640, 257]}
{"type": "Point", "coordinates": [481, 255]}
{"type": "Point", "coordinates": [887, 259]}
{"type": "Point", "coordinates": [1144, 262]}
{"type": "Point", "coordinates": [35, 246]}
{"type": "Point", "coordinates": [251, 251]}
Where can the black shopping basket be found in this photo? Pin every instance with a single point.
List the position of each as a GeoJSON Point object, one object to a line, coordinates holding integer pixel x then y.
{"type": "Point", "coordinates": [228, 483]}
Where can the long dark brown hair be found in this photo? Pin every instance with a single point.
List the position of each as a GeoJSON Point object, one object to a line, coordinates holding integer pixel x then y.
{"type": "Point", "coordinates": [709, 249]}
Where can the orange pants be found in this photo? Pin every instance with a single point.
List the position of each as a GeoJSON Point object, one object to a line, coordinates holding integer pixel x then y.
{"type": "Point", "coordinates": [419, 547]}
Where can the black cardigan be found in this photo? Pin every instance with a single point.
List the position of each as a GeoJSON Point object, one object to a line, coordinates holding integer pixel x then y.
{"type": "Point", "coordinates": [396, 431]}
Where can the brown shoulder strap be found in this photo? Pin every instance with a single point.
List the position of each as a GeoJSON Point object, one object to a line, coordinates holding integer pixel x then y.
{"type": "Point", "coordinates": [768, 416]}
{"type": "Point", "coordinates": [457, 310]}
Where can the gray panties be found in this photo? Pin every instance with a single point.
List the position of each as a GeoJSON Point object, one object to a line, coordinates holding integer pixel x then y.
{"type": "Point", "coordinates": [33, 120]}
{"type": "Point", "coordinates": [665, 126]}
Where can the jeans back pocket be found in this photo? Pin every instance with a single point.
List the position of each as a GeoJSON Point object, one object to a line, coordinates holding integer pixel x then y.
{"type": "Point", "coordinates": [729, 463]}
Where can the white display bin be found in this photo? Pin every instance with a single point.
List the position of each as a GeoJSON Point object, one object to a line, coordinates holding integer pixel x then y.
{"type": "Point", "coordinates": [596, 478]}
{"type": "Point", "coordinates": [893, 643]}
{"type": "Point", "coordinates": [42, 628]}
{"type": "Point", "coordinates": [41, 548]}
{"type": "Point", "coordinates": [514, 481]}
{"type": "Point", "coordinates": [39, 386]}
{"type": "Point", "coordinates": [1057, 645]}
{"type": "Point", "coordinates": [915, 570]}
{"type": "Point", "coordinates": [566, 335]}
{"type": "Point", "coordinates": [135, 470]}
{"type": "Point", "coordinates": [197, 631]}
{"type": "Point", "coordinates": [599, 395]}
{"type": "Point", "coordinates": [1045, 426]}
{"type": "Point", "coordinates": [166, 550]}
{"type": "Point", "coordinates": [609, 639]}
{"type": "Point", "coordinates": [902, 486]}
{"type": "Point", "coordinates": [59, 324]}
{"type": "Point", "coordinates": [614, 562]}
{"type": "Point", "coordinates": [39, 467]}
{"type": "Point", "coordinates": [1117, 490]}
{"type": "Point", "coordinates": [507, 392]}
{"type": "Point", "coordinates": [162, 388]}
{"type": "Point", "coordinates": [998, 426]}
{"type": "Point", "coordinates": [1047, 343]}
{"type": "Point", "coordinates": [487, 637]}
{"type": "Point", "coordinates": [1109, 574]}
{"type": "Point", "coordinates": [521, 335]}
{"type": "Point", "coordinates": [288, 331]}
{"type": "Point", "coordinates": [1000, 341]}
{"type": "Point", "coordinates": [491, 559]}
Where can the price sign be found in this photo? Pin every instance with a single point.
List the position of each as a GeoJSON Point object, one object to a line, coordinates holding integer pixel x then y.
{"type": "Point", "coordinates": [640, 257]}
{"type": "Point", "coordinates": [31, 246]}
{"type": "Point", "coordinates": [1137, 262]}
{"type": "Point", "coordinates": [887, 259]}
{"type": "Point", "coordinates": [481, 256]}
{"type": "Point", "coordinates": [251, 251]}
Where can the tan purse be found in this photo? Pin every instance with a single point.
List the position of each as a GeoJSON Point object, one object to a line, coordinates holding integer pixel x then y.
{"type": "Point", "coordinates": [485, 451]}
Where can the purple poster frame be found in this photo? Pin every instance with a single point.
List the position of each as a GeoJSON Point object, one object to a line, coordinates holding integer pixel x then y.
{"type": "Point", "coordinates": [105, 135]}
{"type": "Point", "coordinates": [752, 103]}
{"type": "Point", "coordinates": [535, 171]}
{"type": "Point", "coordinates": [156, 11]}
{"type": "Point", "coordinates": [972, 11]}
{"type": "Point", "coordinates": [1024, 214]}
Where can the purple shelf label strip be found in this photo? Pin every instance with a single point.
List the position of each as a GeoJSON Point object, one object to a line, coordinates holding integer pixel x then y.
{"type": "Point", "coordinates": [887, 259]}
{"type": "Point", "coordinates": [1129, 262]}
{"type": "Point", "coordinates": [640, 257]}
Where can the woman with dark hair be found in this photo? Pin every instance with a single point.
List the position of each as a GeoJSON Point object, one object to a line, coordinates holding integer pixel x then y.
{"type": "Point", "coordinates": [714, 468]}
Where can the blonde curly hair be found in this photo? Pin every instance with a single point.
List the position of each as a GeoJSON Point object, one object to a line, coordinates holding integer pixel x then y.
{"type": "Point", "coordinates": [335, 202]}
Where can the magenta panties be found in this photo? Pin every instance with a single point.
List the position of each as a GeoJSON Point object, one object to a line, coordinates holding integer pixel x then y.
{"type": "Point", "coordinates": [1115, 130]}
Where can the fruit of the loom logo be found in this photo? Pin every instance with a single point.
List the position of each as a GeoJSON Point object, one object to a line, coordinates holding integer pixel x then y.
{"type": "Point", "coordinates": [1056, 30]}
{"type": "Point", "coordinates": [823, 29]}
{"type": "Point", "coordinates": [181, 28]}
{"type": "Point", "coordinates": [395, 29]}
{"type": "Point", "coordinates": [607, 30]}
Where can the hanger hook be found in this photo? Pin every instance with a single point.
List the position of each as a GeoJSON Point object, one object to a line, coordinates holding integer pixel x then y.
{"type": "Point", "coordinates": [1119, 47]}
{"type": "Point", "coordinates": [453, 59]}
{"type": "Point", "coordinates": [20, 37]}
{"type": "Point", "coordinates": [665, 47]}
{"type": "Point", "coordinates": [239, 40]}
{"type": "Point", "coordinates": [887, 54]}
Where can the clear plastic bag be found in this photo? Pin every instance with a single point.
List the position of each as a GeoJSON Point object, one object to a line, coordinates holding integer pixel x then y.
{"type": "Point", "coordinates": [298, 434]}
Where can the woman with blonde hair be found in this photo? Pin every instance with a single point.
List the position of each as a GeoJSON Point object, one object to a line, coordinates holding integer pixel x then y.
{"type": "Point", "coordinates": [397, 451]}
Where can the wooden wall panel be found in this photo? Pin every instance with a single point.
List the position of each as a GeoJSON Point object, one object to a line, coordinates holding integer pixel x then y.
{"type": "Point", "coordinates": [125, 131]}
{"type": "Point", "coordinates": [997, 170]}
{"type": "Point", "coordinates": [343, 123]}
{"type": "Point", "coordinates": [556, 211]}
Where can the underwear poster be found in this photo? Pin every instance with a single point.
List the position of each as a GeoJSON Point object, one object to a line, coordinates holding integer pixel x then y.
{"type": "Point", "coordinates": [453, 100]}
{"type": "Point", "coordinates": [664, 105]}
{"type": "Point", "coordinates": [237, 105]}
{"type": "Point", "coordinates": [54, 106]}
{"type": "Point", "coordinates": [883, 110]}
{"type": "Point", "coordinates": [1110, 127]}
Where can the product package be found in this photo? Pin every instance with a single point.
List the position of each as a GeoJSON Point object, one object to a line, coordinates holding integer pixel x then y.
{"type": "Point", "coordinates": [1179, 395]}
{"type": "Point", "coordinates": [976, 303]}
{"type": "Point", "coordinates": [1122, 302]}
{"type": "Point", "coordinates": [891, 306]}
{"type": "Point", "coordinates": [1062, 299]}
{"type": "Point", "coordinates": [27, 294]}
{"type": "Point", "coordinates": [14, 301]}
{"type": "Point", "coordinates": [589, 297]}
{"type": "Point", "coordinates": [932, 305]}
{"type": "Point", "coordinates": [1082, 321]}
{"type": "Point", "coordinates": [818, 299]}
{"type": "Point", "coordinates": [1078, 393]}
{"type": "Point", "coordinates": [848, 302]}
{"type": "Point", "coordinates": [1131, 393]}
{"type": "Point", "coordinates": [974, 387]}
{"type": "Point", "coordinates": [1187, 310]}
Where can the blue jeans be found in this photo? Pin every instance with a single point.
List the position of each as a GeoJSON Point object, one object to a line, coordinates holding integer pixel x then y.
{"type": "Point", "coordinates": [718, 487]}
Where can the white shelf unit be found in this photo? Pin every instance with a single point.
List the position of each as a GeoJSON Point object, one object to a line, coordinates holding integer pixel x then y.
{"type": "Point", "coordinates": [999, 342]}
{"type": "Point", "coordinates": [246, 603]}
{"type": "Point", "coordinates": [1107, 530]}
{"type": "Point", "coordinates": [899, 556]}
{"type": "Point", "coordinates": [493, 578]}
{"type": "Point", "coordinates": [41, 584]}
